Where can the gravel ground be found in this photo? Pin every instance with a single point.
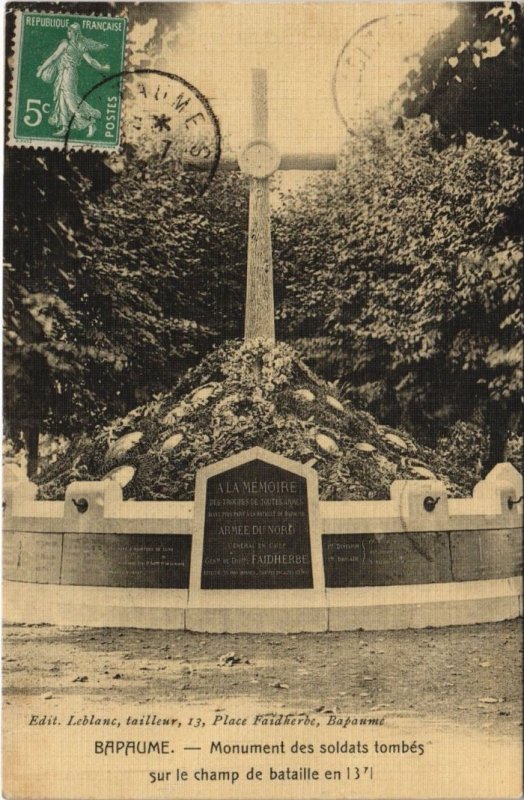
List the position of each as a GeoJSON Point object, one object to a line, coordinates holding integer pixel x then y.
{"type": "Point", "coordinates": [469, 674]}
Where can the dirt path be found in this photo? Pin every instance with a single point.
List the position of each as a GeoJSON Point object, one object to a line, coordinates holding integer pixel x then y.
{"type": "Point", "coordinates": [469, 675]}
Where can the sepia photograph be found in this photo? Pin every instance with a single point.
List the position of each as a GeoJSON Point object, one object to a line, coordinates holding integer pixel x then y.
{"type": "Point", "coordinates": [262, 400]}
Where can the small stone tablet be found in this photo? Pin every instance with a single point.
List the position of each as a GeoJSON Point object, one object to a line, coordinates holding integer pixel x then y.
{"type": "Point", "coordinates": [121, 475]}
{"type": "Point", "coordinates": [334, 403]}
{"type": "Point", "coordinates": [304, 394]}
{"type": "Point", "coordinates": [123, 444]}
{"type": "Point", "coordinates": [326, 443]}
{"type": "Point", "coordinates": [365, 447]}
{"type": "Point", "coordinates": [392, 438]}
{"type": "Point", "coordinates": [424, 473]}
{"type": "Point", "coordinates": [172, 442]}
{"type": "Point", "coordinates": [175, 414]}
{"type": "Point", "coordinates": [203, 394]}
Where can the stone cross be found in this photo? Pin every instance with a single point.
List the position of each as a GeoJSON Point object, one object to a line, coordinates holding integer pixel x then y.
{"type": "Point", "coordinates": [260, 159]}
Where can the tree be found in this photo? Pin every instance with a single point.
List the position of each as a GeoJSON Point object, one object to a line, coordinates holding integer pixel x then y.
{"type": "Point", "coordinates": [44, 364]}
{"type": "Point", "coordinates": [110, 295]}
{"type": "Point", "coordinates": [114, 281]}
{"type": "Point", "coordinates": [404, 269]}
{"type": "Point", "coordinates": [471, 75]}
{"type": "Point", "coordinates": [166, 269]}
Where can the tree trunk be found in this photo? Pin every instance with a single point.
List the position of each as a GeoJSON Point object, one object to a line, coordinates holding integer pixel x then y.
{"type": "Point", "coordinates": [497, 423]}
{"type": "Point", "coordinates": [31, 436]}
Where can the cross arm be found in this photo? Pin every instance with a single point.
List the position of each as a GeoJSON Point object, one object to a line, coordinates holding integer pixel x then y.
{"type": "Point", "coordinates": [307, 161]}
{"type": "Point", "coordinates": [289, 161]}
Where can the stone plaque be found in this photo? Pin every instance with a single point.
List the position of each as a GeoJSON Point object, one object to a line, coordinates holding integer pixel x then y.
{"type": "Point", "coordinates": [487, 554]}
{"type": "Point", "coordinates": [256, 529]}
{"type": "Point", "coordinates": [10, 549]}
{"type": "Point", "coordinates": [152, 561]}
{"type": "Point", "coordinates": [386, 559]}
{"type": "Point", "coordinates": [32, 557]}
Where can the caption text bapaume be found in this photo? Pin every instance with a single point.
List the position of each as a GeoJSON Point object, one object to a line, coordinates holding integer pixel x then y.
{"type": "Point", "coordinates": [170, 749]}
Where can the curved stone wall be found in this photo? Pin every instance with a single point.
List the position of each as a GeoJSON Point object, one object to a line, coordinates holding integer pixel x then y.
{"type": "Point", "coordinates": [389, 563]}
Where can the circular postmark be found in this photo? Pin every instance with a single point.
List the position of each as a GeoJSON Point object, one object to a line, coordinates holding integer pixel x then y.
{"type": "Point", "coordinates": [371, 66]}
{"type": "Point", "coordinates": [163, 116]}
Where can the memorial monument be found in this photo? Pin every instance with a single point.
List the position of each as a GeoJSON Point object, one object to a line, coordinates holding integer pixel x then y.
{"type": "Point", "coordinates": [222, 528]}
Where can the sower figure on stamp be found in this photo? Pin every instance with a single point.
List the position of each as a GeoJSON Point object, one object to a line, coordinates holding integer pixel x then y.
{"type": "Point", "coordinates": [61, 68]}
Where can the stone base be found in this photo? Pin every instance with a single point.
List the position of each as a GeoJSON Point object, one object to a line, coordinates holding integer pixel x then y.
{"type": "Point", "coordinates": [258, 611]}
{"type": "Point", "coordinates": [256, 620]}
{"type": "Point", "coordinates": [422, 606]}
{"type": "Point", "coordinates": [94, 606]}
{"type": "Point", "coordinates": [367, 608]}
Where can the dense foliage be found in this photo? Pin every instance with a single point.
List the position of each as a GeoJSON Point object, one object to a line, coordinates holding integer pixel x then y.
{"type": "Point", "coordinates": [240, 396]}
{"type": "Point", "coordinates": [404, 271]}
{"type": "Point", "coordinates": [166, 269]}
{"type": "Point", "coordinates": [111, 293]}
{"type": "Point", "coordinates": [471, 75]}
{"type": "Point", "coordinates": [45, 366]}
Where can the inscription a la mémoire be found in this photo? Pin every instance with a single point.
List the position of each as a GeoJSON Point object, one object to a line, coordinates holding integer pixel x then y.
{"type": "Point", "coordinates": [256, 532]}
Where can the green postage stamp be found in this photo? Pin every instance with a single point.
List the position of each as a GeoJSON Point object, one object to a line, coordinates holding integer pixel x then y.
{"type": "Point", "coordinates": [66, 86]}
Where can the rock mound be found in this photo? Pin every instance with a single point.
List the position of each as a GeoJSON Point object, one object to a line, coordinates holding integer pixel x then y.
{"type": "Point", "coordinates": [239, 396]}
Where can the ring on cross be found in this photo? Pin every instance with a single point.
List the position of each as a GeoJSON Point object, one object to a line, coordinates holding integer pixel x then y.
{"type": "Point", "coordinates": [259, 159]}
